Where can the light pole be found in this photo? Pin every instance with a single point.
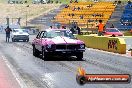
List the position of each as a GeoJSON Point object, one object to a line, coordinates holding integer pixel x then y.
{"type": "Point", "coordinates": [8, 21]}
{"type": "Point", "coordinates": [27, 14]}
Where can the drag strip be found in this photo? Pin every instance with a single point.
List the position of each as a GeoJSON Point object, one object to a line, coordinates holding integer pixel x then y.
{"type": "Point", "coordinates": [37, 73]}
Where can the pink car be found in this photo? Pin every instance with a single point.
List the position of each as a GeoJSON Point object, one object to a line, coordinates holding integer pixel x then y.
{"type": "Point", "coordinates": [112, 32]}
{"type": "Point", "coordinates": [57, 42]}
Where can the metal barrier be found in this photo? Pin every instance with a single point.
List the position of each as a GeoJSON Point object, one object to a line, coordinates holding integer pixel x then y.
{"type": "Point", "coordinates": [111, 44]}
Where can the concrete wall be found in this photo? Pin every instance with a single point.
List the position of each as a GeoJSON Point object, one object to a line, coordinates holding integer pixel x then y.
{"type": "Point", "coordinates": [111, 44]}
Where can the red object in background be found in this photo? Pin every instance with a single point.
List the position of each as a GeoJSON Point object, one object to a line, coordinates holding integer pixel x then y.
{"type": "Point", "coordinates": [131, 30]}
{"type": "Point", "coordinates": [113, 32]}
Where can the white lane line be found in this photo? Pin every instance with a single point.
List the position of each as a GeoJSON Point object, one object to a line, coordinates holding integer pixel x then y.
{"type": "Point", "coordinates": [15, 73]}
{"type": "Point", "coordinates": [102, 51]}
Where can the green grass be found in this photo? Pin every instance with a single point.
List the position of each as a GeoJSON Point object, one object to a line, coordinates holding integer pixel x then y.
{"type": "Point", "coordinates": [127, 33]}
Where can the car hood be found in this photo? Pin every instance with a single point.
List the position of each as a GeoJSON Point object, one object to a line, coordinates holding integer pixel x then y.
{"type": "Point", "coordinates": [63, 40]}
{"type": "Point", "coordinates": [19, 33]}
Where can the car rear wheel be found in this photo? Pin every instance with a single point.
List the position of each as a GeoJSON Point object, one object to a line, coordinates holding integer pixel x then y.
{"type": "Point", "coordinates": [79, 56]}
{"type": "Point", "coordinates": [35, 52]}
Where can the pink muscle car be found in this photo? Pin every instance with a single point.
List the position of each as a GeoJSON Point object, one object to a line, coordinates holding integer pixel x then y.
{"type": "Point", "coordinates": [57, 42]}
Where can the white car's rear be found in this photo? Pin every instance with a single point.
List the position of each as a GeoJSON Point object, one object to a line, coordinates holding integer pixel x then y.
{"type": "Point", "coordinates": [19, 34]}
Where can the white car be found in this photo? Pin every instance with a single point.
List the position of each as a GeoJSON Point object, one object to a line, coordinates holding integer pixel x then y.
{"type": "Point", "coordinates": [19, 34]}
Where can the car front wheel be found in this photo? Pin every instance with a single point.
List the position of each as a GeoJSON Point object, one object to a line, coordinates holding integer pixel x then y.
{"type": "Point", "coordinates": [44, 54]}
{"type": "Point", "coordinates": [35, 52]}
{"type": "Point", "coordinates": [79, 56]}
{"type": "Point", "coordinates": [27, 40]}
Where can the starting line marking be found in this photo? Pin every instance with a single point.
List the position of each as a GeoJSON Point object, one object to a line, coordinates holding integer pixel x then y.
{"type": "Point", "coordinates": [124, 55]}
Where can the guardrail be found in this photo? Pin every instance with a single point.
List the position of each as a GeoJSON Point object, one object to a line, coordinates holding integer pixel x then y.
{"type": "Point", "coordinates": [111, 44]}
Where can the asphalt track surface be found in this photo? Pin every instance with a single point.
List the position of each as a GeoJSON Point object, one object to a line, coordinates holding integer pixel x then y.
{"type": "Point", "coordinates": [60, 72]}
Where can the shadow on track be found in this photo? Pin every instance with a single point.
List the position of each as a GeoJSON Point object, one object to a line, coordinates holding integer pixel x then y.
{"type": "Point", "coordinates": [60, 58]}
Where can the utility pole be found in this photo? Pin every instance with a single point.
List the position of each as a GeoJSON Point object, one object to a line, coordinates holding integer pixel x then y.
{"type": "Point", "coordinates": [7, 20]}
{"type": "Point", "coordinates": [27, 14]}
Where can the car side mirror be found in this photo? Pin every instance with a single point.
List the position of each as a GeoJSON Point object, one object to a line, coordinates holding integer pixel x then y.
{"type": "Point", "coordinates": [44, 36]}
{"type": "Point", "coordinates": [37, 37]}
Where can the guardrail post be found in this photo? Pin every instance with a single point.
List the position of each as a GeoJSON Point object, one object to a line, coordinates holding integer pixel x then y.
{"type": "Point", "coordinates": [131, 52]}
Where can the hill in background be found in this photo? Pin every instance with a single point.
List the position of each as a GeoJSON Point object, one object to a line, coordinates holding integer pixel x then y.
{"type": "Point", "coordinates": [21, 10]}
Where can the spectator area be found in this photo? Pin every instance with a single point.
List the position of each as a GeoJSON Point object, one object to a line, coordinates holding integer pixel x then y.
{"type": "Point", "coordinates": [86, 14]}
{"type": "Point", "coordinates": [126, 19]}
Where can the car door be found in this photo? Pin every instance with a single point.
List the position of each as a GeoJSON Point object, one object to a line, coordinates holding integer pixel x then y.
{"type": "Point", "coordinates": [36, 41]}
{"type": "Point", "coordinates": [40, 39]}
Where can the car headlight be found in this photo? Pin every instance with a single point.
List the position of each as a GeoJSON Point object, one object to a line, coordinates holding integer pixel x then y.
{"type": "Point", "coordinates": [82, 46]}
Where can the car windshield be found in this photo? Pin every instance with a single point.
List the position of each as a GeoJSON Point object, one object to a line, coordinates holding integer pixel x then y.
{"type": "Point", "coordinates": [55, 33]}
{"type": "Point", "coordinates": [112, 30]}
{"type": "Point", "coordinates": [15, 30]}
{"type": "Point", "coordinates": [21, 30]}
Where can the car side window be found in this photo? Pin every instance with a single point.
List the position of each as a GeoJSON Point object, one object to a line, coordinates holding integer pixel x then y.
{"type": "Point", "coordinates": [43, 34]}
{"type": "Point", "coordinates": [38, 36]}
